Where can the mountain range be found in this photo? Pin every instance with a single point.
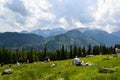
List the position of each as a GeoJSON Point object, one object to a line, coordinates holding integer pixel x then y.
{"type": "Point", "coordinates": [116, 33]}
{"type": "Point", "coordinates": [54, 38]}
{"type": "Point", "coordinates": [46, 33]}
{"type": "Point", "coordinates": [102, 37]}
{"type": "Point", "coordinates": [16, 40]}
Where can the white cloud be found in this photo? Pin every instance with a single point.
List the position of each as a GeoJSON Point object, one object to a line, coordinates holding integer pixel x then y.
{"type": "Point", "coordinates": [36, 10]}
{"type": "Point", "coordinates": [107, 16]}
{"type": "Point", "coordinates": [79, 24]}
{"type": "Point", "coordinates": [63, 22]}
{"type": "Point", "coordinates": [17, 15]}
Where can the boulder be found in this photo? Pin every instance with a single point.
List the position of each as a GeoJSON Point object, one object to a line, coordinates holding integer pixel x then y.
{"type": "Point", "coordinates": [7, 71]}
{"type": "Point", "coordinates": [52, 65]}
{"type": "Point", "coordinates": [89, 55]}
{"type": "Point", "coordinates": [106, 58]}
{"type": "Point", "coordinates": [106, 70]}
{"type": "Point", "coordinates": [61, 79]}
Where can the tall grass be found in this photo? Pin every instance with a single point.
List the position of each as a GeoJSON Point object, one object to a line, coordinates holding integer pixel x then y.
{"type": "Point", "coordinates": [65, 70]}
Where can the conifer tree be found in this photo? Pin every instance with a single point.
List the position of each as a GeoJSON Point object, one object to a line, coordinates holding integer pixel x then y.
{"type": "Point", "coordinates": [83, 51]}
{"type": "Point", "coordinates": [79, 52]}
{"type": "Point", "coordinates": [89, 50]}
{"type": "Point", "coordinates": [75, 50]}
{"type": "Point", "coordinates": [96, 50]}
{"type": "Point", "coordinates": [71, 54]}
{"type": "Point", "coordinates": [63, 55]}
{"type": "Point", "coordinates": [45, 51]}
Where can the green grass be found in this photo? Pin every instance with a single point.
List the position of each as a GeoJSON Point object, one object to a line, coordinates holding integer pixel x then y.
{"type": "Point", "coordinates": [64, 69]}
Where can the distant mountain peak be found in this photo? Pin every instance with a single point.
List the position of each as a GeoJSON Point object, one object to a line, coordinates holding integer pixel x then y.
{"type": "Point", "coordinates": [25, 32]}
{"type": "Point", "coordinates": [117, 33]}
{"type": "Point", "coordinates": [102, 37]}
{"type": "Point", "coordinates": [82, 29]}
{"type": "Point", "coordinates": [74, 32]}
{"type": "Point", "coordinates": [49, 32]}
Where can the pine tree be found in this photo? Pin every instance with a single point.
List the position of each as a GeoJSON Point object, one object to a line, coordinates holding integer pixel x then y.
{"type": "Point", "coordinates": [75, 51]}
{"type": "Point", "coordinates": [89, 50]}
{"type": "Point", "coordinates": [63, 54]}
{"type": "Point", "coordinates": [83, 51]}
{"type": "Point", "coordinates": [71, 54]}
{"type": "Point", "coordinates": [96, 50]}
{"type": "Point", "coordinates": [30, 55]}
{"type": "Point", "coordinates": [79, 52]}
{"type": "Point", "coordinates": [58, 55]}
{"type": "Point", "coordinates": [45, 52]}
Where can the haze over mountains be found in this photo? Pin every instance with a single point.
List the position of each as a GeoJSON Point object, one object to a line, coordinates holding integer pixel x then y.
{"type": "Point", "coordinates": [102, 37]}
{"type": "Point", "coordinates": [47, 32]}
{"type": "Point", "coordinates": [116, 33]}
{"type": "Point", "coordinates": [54, 38]}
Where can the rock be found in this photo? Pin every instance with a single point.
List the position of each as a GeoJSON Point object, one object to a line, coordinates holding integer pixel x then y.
{"type": "Point", "coordinates": [7, 71]}
{"type": "Point", "coordinates": [115, 55]}
{"type": "Point", "coordinates": [89, 55]}
{"type": "Point", "coordinates": [106, 70]}
{"type": "Point", "coordinates": [61, 79]}
{"type": "Point", "coordinates": [52, 65]}
{"type": "Point", "coordinates": [2, 64]}
{"type": "Point", "coordinates": [106, 58]}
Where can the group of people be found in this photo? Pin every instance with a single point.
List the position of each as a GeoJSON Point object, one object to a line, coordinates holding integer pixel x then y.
{"type": "Point", "coordinates": [2, 64]}
{"type": "Point", "coordinates": [46, 59]}
{"type": "Point", "coordinates": [76, 61]}
{"type": "Point", "coordinates": [18, 63]}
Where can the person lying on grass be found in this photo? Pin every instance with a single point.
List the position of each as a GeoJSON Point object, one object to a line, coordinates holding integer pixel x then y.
{"type": "Point", "coordinates": [76, 61]}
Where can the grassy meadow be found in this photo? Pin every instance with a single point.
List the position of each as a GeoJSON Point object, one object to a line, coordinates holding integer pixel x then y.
{"type": "Point", "coordinates": [64, 70]}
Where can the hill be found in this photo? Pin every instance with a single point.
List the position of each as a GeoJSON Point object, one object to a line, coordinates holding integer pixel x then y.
{"type": "Point", "coordinates": [64, 70]}
{"type": "Point", "coordinates": [16, 40]}
{"type": "Point", "coordinates": [54, 42]}
{"type": "Point", "coordinates": [47, 32]}
{"type": "Point", "coordinates": [102, 37]}
{"type": "Point", "coordinates": [73, 37]}
{"type": "Point", "coordinates": [116, 33]}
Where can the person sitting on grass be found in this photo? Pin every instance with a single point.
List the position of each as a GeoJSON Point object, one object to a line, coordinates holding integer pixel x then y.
{"type": "Point", "coordinates": [2, 64]}
{"type": "Point", "coordinates": [28, 61]}
{"type": "Point", "coordinates": [18, 64]}
{"type": "Point", "coordinates": [76, 61]}
{"type": "Point", "coordinates": [46, 59]}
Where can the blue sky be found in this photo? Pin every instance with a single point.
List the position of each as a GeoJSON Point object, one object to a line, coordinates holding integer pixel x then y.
{"type": "Point", "coordinates": [18, 15]}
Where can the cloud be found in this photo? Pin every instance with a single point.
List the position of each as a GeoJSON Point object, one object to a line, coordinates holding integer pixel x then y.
{"type": "Point", "coordinates": [17, 15]}
{"type": "Point", "coordinates": [38, 10]}
{"type": "Point", "coordinates": [107, 16]}
{"type": "Point", "coordinates": [24, 14]}
{"type": "Point", "coordinates": [17, 6]}
{"type": "Point", "coordinates": [63, 23]}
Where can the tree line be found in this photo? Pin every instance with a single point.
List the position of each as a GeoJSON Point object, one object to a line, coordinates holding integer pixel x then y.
{"type": "Point", "coordinates": [9, 56]}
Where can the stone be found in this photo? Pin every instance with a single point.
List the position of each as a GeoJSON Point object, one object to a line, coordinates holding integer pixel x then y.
{"type": "Point", "coordinates": [106, 58]}
{"type": "Point", "coordinates": [106, 70]}
{"type": "Point", "coordinates": [61, 79]}
{"type": "Point", "coordinates": [7, 71]}
{"type": "Point", "coordinates": [52, 65]}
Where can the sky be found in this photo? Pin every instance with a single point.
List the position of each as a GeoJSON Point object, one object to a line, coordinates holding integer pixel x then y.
{"type": "Point", "coordinates": [18, 15]}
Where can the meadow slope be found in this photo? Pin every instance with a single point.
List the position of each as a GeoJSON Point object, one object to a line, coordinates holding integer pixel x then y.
{"type": "Point", "coordinates": [64, 70]}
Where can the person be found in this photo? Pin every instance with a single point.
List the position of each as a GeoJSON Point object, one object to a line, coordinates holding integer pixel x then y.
{"type": "Point", "coordinates": [76, 61]}
{"type": "Point", "coordinates": [46, 59]}
{"type": "Point", "coordinates": [2, 64]}
{"type": "Point", "coordinates": [28, 61]}
{"type": "Point", "coordinates": [10, 65]}
{"type": "Point", "coordinates": [18, 64]}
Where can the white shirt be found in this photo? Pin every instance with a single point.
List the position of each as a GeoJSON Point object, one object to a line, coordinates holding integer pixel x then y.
{"type": "Point", "coordinates": [76, 61]}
